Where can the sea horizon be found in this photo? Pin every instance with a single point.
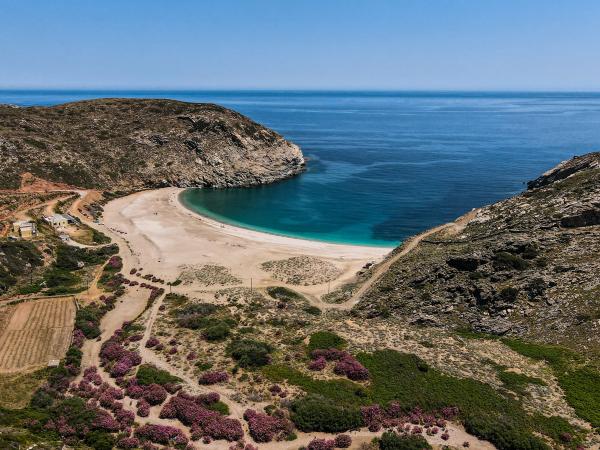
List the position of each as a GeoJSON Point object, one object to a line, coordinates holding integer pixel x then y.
{"type": "Point", "coordinates": [383, 165]}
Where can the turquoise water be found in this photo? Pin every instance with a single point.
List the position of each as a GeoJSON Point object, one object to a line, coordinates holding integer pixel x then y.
{"type": "Point", "coordinates": [386, 165]}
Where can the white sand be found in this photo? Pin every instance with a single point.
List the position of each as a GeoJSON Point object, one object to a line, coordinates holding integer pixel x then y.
{"type": "Point", "coordinates": [164, 235]}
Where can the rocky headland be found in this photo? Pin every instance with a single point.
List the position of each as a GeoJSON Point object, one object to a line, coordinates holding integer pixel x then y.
{"type": "Point", "coordinates": [129, 144]}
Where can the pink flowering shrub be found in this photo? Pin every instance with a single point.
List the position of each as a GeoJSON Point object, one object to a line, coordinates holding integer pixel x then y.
{"type": "Point", "coordinates": [155, 394]}
{"type": "Point", "coordinates": [445, 436]}
{"type": "Point", "coordinates": [330, 354]}
{"type": "Point", "coordinates": [351, 368]}
{"type": "Point", "coordinates": [143, 408]}
{"type": "Point", "coordinates": [134, 391]}
{"type": "Point", "coordinates": [265, 428]}
{"type": "Point", "coordinates": [161, 434]}
{"type": "Point", "coordinates": [118, 358]}
{"type": "Point", "coordinates": [449, 412]}
{"type": "Point", "coordinates": [191, 411]}
{"type": "Point", "coordinates": [343, 441]}
{"type": "Point", "coordinates": [106, 421]}
{"type": "Point", "coordinates": [115, 262]}
{"type": "Point", "coordinates": [213, 377]}
{"type": "Point", "coordinates": [317, 364]}
{"type": "Point", "coordinates": [78, 338]}
{"type": "Point", "coordinates": [321, 444]}
{"type": "Point", "coordinates": [91, 374]}
{"type": "Point", "coordinates": [125, 417]}
{"type": "Point", "coordinates": [128, 442]}
{"type": "Point", "coordinates": [373, 417]}
{"type": "Point", "coordinates": [152, 342]}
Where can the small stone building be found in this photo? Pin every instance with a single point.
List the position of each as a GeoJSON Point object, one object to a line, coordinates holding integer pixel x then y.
{"type": "Point", "coordinates": [25, 229]}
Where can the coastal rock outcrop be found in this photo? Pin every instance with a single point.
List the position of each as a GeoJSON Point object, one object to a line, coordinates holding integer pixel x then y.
{"type": "Point", "coordinates": [527, 266]}
{"type": "Point", "coordinates": [126, 144]}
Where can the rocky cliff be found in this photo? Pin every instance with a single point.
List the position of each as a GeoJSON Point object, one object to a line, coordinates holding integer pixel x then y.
{"type": "Point", "coordinates": [132, 143]}
{"type": "Point", "coordinates": [527, 266]}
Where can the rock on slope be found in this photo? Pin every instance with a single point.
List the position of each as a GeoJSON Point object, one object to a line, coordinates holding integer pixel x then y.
{"type": "Point", "coordinates": [526, 266]}
{"type": "Point", "coordinates": [132, 143]}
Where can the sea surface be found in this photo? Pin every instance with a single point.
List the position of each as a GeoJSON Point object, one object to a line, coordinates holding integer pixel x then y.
{"type": "Point", "coordinates": [385, 165]}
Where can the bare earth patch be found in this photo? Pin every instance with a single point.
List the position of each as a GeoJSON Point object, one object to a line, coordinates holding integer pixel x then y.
{"type": "Point", "coordinates": [207, 275]}
{"type": "Point", "coordinates": [302, 270]}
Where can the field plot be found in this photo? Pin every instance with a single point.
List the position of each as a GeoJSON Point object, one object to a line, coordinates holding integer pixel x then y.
{"type": "Point", "coordinates": [35, 333]}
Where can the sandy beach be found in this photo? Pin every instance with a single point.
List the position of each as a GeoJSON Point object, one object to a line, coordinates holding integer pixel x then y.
{"type": "Point", "coordinates": [169, 239]}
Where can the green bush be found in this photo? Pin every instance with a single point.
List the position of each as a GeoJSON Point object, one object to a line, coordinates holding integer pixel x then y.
{"type": "Point", "coordinates": [57, 277]}
{"type": "Point", "coordinates": [517, 382]}
{"type": "Point", "coordinates": [315, 413]}
{"type": "Point", "coordinates": [68, 257]}
{"type": "Point", "coordinates": [283, 293]}
{"type": "Point", "coordinates": [509, 294]}
{"type": "Point", "coordinates": [73, 357]}
{"type": "Point", "coordinates": [87, 319]}
{"type": "Point", "coordinates": [312, 310]}
{"type": "Point", "coordinates": [216, 332]}
{"type": "Point", "coordinates": [100, 440]}
{"type": "Point", "coordinates": [176, 300]}
{"type": "Point", "coordinates": [250, 353]}
{"type": "Point", "coordinates": [393, 441]}
{"type": "Point", "coordinates": [32, 288]}
{"type": "Point", "coordinates": [219, 407]}
{"type": "Point", "coordinates": [507, 261]}
{"type": "Point", "coordinates": [99, 237]}
{"type": "Point", "coordinates": [338, 390]}
{"type": "Point", "coordinates": [148, 374]}
{"type": "Point", "coordinates": [325, 340]}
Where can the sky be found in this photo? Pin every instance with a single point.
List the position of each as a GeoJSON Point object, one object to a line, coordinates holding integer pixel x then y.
{"type": "Point", "coordinates": [301, 44]}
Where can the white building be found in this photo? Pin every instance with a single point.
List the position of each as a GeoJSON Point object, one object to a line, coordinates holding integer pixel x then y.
{"type": "Point", "coordinates": [59, 220]}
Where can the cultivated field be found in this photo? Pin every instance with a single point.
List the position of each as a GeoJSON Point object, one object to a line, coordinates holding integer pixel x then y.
{"type": "Point", "coordinates": [35, 333]}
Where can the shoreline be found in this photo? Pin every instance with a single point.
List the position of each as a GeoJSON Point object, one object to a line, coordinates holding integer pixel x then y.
{"type": "Point", "coordinates": [248, 232]}
{"type": "Point", "coordinates": [224, 221]}
{"type": "Point", "coordinates": [167, 238]}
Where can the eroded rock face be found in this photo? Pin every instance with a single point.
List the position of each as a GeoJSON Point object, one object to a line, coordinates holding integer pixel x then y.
{"type": "Point", "coordinates": [122, 144]}
{"type": "Point", "coordinates": [526, 266]}
{"type": "Point", "coordinates": [566, 169]}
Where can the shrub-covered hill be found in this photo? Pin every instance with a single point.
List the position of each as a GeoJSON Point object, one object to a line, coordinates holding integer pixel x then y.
{"type": "Point", "coordinates": [135, 143]}
{"type": "Point", "coordinates": [526, 266]}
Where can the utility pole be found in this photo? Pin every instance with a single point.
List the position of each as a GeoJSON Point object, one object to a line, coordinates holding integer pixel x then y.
{"type": "Point", "coordinates": [250, 284]}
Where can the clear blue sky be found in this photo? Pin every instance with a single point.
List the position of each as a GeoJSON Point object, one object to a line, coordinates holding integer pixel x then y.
{"type": "Point", "coordinates": [380, 44]}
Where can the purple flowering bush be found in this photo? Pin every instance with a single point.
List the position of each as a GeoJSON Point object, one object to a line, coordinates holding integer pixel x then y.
{"type": "Point", "coordinates": [351, 368]}
{"type": "Point", "coordinates": [193, 412]}
{"type": "Point", "coordinates": [155, 394]}
{"type": "Point", "coordinates": [343, 441]}
{"type": "Point", "coordinates": [321, 444]}
{"type": "Point", "coordinates": [265, 428]}
{"type": "Point", "coordinates": [161, 434]}
{"type": "Point", "coordinates": [213, 377]}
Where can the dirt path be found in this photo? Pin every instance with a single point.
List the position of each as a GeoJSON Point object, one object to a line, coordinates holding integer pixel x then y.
{"type": "Point", "coordinates": [47, 205]}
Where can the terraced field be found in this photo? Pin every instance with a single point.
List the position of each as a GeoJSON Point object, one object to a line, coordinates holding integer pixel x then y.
{"type": "Point", "coordinates": [35, 333]}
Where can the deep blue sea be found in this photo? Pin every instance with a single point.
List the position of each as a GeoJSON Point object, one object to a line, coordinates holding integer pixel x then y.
{"type": "Point", "coordinates": [385, 165]}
